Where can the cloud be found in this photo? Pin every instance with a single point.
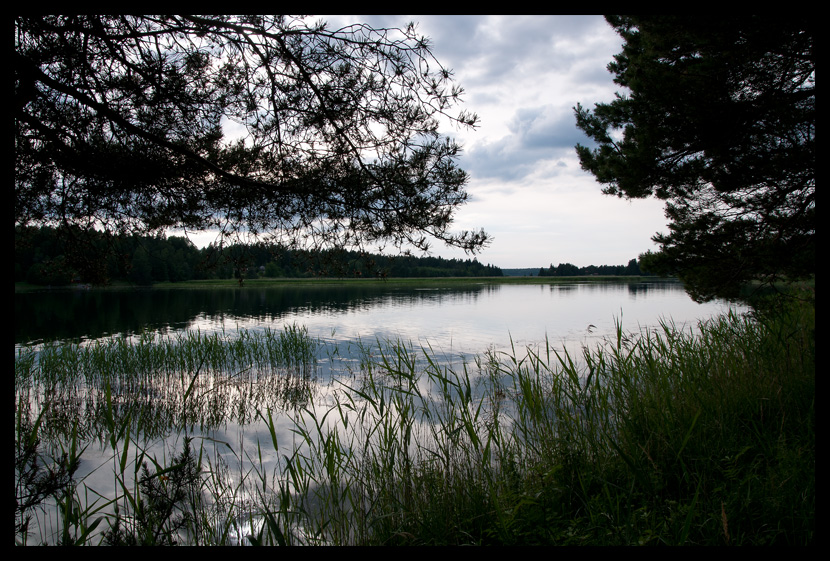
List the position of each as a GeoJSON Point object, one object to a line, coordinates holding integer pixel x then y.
{"type": "Point", "coordinates": [523, 75]}
{"type": "Point", "coordinates": [538, 137]}
{"type": "Point", "coordinates": [545, 128]}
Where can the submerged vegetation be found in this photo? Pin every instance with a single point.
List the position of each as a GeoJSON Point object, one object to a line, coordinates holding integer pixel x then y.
{"type": "Point", "coordinates": [664, 436]}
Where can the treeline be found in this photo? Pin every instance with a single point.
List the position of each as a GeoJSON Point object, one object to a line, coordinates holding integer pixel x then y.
{"type": "Point", "coordinates": [52, 256]}
{"type": "Point", "coordinates": [570, 270]}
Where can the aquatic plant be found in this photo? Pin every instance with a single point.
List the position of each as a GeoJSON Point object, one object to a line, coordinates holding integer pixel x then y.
{"type": "Point", "coordinates": [191, 378]}
{"type": "Point", "coordinates": [664, 436]}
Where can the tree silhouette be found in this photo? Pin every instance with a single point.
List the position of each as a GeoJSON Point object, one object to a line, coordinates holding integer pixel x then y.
{"type": "Point", "coordinates": [121, 123]}
{"type": "Point", "coordinates": [718, 119]}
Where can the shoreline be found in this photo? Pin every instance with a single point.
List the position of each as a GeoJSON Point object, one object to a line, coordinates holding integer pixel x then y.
{"type": "Point", "coordinates": [22, 287]}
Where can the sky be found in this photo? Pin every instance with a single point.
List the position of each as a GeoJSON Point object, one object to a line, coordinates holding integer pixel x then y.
{"type": "Point", "coordinates": [523, 75]}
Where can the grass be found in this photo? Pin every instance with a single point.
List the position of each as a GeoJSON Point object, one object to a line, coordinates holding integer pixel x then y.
{"type": "Point", "coordinates": [657, 437]}
{"type": "Point", "coordinates": [166, 382]}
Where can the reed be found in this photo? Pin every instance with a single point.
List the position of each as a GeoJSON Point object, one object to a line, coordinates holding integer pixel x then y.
{"type": "Point", "coordinates": [191, 378]}
{"type": "Point", "coordinates": [661, 437]}
{"type": "Point", "coordinates": [665, 436]}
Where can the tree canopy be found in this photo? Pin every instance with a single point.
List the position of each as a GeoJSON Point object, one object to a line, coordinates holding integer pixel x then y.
{"type": "Point", "coordinates": [41, 259]}
{"type": "Point", "coordinates": [718, 120]}
{"type": "Point", "coordinates": [122, 123]}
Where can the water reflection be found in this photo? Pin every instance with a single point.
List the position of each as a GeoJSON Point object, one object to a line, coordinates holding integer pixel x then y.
{"type": "Point", "coordinates": [225, 404]}
{"type": "Point", "coordinates": [454, 324]}
{"type": "Point", "coordinates": [462, 318]}
{"type": "Point", "coordinates": [70, 314]}
{"type": "Point", "coordinates": [162, 406]}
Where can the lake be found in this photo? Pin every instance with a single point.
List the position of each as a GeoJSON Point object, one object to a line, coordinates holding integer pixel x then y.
{"type": "Point", "coordinates": [459, 317]}
{"type": "Point", "coordinates": [456, 321]}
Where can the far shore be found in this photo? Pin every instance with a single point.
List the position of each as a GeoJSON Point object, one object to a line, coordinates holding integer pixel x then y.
{"type": "Point", "coordinates": [269, 282]}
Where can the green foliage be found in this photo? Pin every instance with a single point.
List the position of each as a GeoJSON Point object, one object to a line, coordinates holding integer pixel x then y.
{"type": "Point", "coordinates": [40, 255]}
{"type": "Point", "coordinates": [666, 436]}
{"type": "Point", "coordinates": [36, 478]}
{"type": "Point", "coordinates": [718, 119]}
{"type": "Point", "coordinates": [141, 270]}
{"type": "Point", "coordinates": [50, 272]}
{"type": "Point", "coordinates": [165, 504]}
{"type": "Point", "coordinates": [571, 270]}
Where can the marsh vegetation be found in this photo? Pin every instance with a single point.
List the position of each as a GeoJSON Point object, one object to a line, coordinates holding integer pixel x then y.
{"type": "Point", "coordinates": [658, 436]}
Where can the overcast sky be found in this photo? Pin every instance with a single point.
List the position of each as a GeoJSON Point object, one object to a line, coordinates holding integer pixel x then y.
{"type": "Point", "coordinates": [523, 75]}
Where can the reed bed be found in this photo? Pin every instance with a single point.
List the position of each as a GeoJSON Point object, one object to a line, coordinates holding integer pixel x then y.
{"type": "Point", "coordinates": [663, 436]}
{"type": "Point", "coordinates": [167, 382]}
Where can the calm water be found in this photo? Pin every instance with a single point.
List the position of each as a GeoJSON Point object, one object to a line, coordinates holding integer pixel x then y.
{"type": "Point", "coordinates": [456, 321]}
{"type": "Point", "coordinates": [466, 318]}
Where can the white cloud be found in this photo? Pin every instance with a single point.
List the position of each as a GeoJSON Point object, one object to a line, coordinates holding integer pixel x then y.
{"type": "Point", "coordinates": [523, 75]}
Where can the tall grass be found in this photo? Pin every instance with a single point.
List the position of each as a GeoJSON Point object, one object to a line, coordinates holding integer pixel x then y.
{"type": "Point", "coordinates": [664, 436]}
{"type": "Point", "coordinates": [661, 437]}
{"type": "Point", "coordinates": [126, 394]}
{"type": "Point", "coordinates": [191, 378]}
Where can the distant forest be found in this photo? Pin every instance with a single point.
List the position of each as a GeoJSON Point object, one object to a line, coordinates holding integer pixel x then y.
{"type": "Point", "coordinates": [47, 256]}
{"type": "Point", "coordinates": [569, 270]}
